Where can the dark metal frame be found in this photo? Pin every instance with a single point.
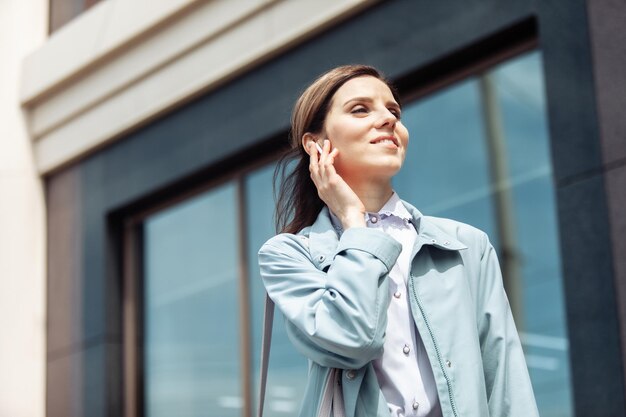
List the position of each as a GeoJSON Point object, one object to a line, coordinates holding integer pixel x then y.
{"type": "Point", "coordinates": [133, 278]}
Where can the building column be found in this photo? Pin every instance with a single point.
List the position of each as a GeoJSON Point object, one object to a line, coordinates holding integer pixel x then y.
{"type": "Point", "coordinates": [23, 27]}
{"type": "Point", "coordinates": [608, 54]}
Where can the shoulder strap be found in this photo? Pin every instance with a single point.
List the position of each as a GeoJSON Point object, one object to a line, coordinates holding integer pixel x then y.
{"type": "Point", "coordinates": [268, 319]}
{"type": "Point", "coordinates": [332, 398]}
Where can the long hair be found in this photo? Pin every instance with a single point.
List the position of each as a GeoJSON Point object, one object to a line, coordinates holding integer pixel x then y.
{"type": "Point", "coordinates": [298, 202]}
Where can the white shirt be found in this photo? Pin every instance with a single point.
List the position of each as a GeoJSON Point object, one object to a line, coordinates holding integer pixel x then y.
{"type": "Point", "coordinates": [403, 371]}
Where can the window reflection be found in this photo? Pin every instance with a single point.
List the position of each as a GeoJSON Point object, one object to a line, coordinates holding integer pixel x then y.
{"type": "Point", "coordinates": [191, 324]}
{"type": "Point", "coordinates": [288, 369]}
{"type": "Point", "coordinates": [521, 96]}
{"type": "Point", "coordinates": [446, 172]}
{"type": "Point", "coordinates": [449, 173]}
{"type": "Point", "coordinates": [468, 153]}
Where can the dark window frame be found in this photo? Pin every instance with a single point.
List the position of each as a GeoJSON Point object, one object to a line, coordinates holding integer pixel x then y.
{"type": "Point", "coordinates": [133, 278]}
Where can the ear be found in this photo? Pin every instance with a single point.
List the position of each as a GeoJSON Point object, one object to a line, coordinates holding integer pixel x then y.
{"type": "Point", "coordinates": [307, 139]}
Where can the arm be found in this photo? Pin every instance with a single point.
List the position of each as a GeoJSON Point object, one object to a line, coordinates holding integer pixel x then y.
{"type": "Point", "coordinates": [336, 318]}
{"type": "Point", "coordinates": [509, 390]}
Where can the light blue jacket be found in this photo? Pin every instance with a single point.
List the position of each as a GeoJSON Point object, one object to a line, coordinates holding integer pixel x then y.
{"type": "Point", "coordinates": [333, 293]}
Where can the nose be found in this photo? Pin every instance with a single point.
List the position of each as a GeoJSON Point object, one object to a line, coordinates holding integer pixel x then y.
{"type": "Point", "coordinates": [387, 118]}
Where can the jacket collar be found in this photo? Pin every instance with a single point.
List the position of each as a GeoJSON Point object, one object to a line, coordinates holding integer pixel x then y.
{"type": "Point", "coordinates": [324, 238]}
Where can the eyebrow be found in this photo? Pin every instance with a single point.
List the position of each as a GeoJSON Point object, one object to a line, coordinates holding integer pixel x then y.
{"type": "Point", "coordinates": [369, 100]}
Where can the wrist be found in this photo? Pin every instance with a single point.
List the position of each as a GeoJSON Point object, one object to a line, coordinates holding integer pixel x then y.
{"type": "Point", "coordinates": [353, 219]}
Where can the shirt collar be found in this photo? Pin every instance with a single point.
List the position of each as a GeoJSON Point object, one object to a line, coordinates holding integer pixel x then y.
{"type": "Point", "coordinates": [324, 237]}
{"type": "Point", "coordinates": [393, 207]}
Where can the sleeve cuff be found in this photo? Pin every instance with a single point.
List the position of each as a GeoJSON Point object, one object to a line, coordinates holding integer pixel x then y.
{"type": "Point", "coordinates": [372, 241]}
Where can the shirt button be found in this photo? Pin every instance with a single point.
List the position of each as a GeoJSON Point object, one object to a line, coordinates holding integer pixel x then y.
{"type": "Point", "coordinates": [415, 405]}
{"type": "Point", "coordinates": [397, 294]}
{"type": "Point", "coordinates": [321, 258]}
{"type": "Point", "coordinates": [374, 219]}
{"type": "Point", "coordinates": [351, 374]}
{"type": "Point", "coordinates": [448, 363]}
{"type": "Point", "coordinates": [406, 349]}
{"type": "Point", "coordinates": [446, 243]}
{"type": "Point", "coordinates": [433, 240]}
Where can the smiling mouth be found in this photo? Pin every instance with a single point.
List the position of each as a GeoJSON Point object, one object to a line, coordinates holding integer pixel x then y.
{"type": "Point", "coordinates": [386, 140]}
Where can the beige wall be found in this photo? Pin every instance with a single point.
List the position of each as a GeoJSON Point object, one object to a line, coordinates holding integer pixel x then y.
{"type": "Point", "coordinates": [117, 66]}
{"type": "Point", "coordinates": [124, 63]}
{"type": "Point", "coordinates": [22, 224]}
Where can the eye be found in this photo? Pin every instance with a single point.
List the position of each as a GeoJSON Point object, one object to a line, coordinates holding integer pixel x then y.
{"type": "Point", "coordinates": [396, 112]}
{"type": "Point", "coordinates": [358, 109]}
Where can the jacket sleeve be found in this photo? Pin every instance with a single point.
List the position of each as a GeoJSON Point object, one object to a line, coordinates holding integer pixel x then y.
{"type": "Point", "coordinates": [337, 317]}
{"type": "Point", "coordinates": [509, 390]}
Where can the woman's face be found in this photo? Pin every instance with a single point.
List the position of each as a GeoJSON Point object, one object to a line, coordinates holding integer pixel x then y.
{"type": "Point", "coordinates": [363, 122]}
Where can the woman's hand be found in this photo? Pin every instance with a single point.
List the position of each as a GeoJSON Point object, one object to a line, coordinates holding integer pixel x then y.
{"type": "Point", "coordinates": [332, 189]}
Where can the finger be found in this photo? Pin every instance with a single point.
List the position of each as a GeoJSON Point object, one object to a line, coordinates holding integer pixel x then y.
{"type": "Point", "coordinates": [324, 156]}
{"type": "Point", "coordinates": [314, 157]}
{"type": "Point", "coordinates": [321, 158]}
{"type": "Point", "coordinates": [330, 162]}
{"type": "Point", "coordinates": [333, 154]}
{"type": "Point", "coordinates": [326, 147]}
{"type": "Point", "coordinates": [330, 158]}
{"type": "Point", "coordinates": [313, 160]}
{"type": "Point", "coordinates": [322, 152]}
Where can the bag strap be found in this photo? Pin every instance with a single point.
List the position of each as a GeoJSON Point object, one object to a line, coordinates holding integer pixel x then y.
{"type": "Point", "coordinates": [338, 406]}
{"type": "Point", "coordinates": [332, 398]}
{"type": "Point", "coordinates": [268, 319]}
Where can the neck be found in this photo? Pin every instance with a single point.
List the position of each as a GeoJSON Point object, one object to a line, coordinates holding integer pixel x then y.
{"type": "Point", "coordinates": [374, 195]}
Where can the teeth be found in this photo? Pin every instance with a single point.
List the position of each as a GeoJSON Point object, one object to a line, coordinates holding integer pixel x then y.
{"type": "Point", "coordinates": [386, 141]}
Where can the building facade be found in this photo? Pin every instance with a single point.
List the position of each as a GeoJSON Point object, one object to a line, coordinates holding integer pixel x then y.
{"type": "Point", "coordinates": [155, 128]}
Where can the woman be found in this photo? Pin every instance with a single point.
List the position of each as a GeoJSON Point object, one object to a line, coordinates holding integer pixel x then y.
{"type": "Point", "coordinates": [410, 308]}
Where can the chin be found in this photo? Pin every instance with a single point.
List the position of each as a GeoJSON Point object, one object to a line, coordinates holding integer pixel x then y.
{"type": "Point", "coordinates": [374, 169]}
{"type": "Point", "coordinates": [391, 168]}
{"type": "Point", "coordinates": [382, 172]}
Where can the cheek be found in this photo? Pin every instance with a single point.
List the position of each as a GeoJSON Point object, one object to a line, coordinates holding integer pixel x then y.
{"type": "Point", "coordinates": [339, 139]}
{"type": "Point", "coordinates": [404, 136]}
{"type": "Point", "coordinates": [344, 131]}
{"type": "Point", "coordinates": [333, 134]}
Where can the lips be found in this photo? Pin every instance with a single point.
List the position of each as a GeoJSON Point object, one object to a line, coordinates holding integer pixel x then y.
{"type": "Point", "coordinates": [391, 140]}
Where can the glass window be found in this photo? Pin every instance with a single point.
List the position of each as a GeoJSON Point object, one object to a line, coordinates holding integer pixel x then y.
{"type": "Point", "coordinates": [446, 125]}
{"type": "Point", "coordinates": [288, 369]}
{"type": "Point", "coordinates": [191, 320]}
{"type": "Point", "coordinates": [479, 153]}
{"type": "Point", "coordinates": [542, 322]}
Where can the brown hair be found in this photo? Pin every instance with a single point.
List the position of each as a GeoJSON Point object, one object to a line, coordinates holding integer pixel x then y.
{"type": "Point", "coordinates": [298, 202]}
